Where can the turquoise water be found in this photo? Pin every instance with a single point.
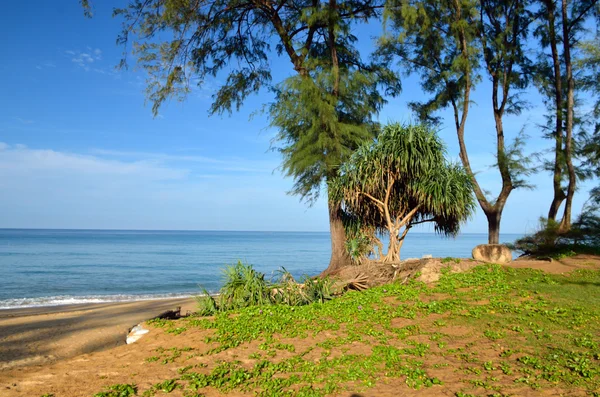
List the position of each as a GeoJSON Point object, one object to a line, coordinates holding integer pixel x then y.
{"type": "Point", "coordinates": [49, 267]}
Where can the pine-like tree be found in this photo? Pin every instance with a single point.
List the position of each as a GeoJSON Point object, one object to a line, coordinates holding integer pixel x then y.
{"type": "Point", "coordinates": [322, 112]}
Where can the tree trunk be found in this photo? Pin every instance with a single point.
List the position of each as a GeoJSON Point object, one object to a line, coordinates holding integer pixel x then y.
{"type": "Point", "coordinates": [559, 195]}
{"type": "Point", "coordinates": [493, 218]}
{"type": "Point", "coordinates": [393, 254]}
{"type": "Point", "coordinates": [565, 224]}
{"type": "Point", "coordinates": [339, 253]}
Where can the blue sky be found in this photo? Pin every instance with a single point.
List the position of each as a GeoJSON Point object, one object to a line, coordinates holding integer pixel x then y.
{"type": "Point", "coordinates": [79, 147]}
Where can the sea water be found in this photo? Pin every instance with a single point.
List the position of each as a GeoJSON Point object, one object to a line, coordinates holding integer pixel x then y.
{"type": "Point", "coordinates": [51, 267]}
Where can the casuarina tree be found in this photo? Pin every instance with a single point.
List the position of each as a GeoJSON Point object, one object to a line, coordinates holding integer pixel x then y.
{"type": "Point", "coordinates": [452, 45]}
{"type": "Point", "coordinates": [322, 112]}
{"type": "Point", "coordinates": [562, 26]}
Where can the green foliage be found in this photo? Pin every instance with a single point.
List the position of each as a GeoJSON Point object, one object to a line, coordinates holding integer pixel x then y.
{"type": "Point", "coordinates": [402, 179]}
{"type": "Point", "coordinates": [207, 305]}
{"type": "Point", "coordinates": [450, 45]}
{"type": "Point", "coordinates": [119, 390]}
{"type": "Point", "coordinates": [321, 112]}
{"type": "Point", "coordinates": [549, 321]}
{"type": "Point", "coordinates": [550, 242]}
{"type": "Point", "coordinates": [245, 287]}
{"type": "Point", "coordinates": [427, 37]}
{"type": "Point", "coordinates": [318, 130]}
{"type": "Point", "coordinates": [449, 259]}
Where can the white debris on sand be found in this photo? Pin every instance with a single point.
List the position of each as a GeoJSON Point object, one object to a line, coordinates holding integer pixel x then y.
{"type": "Point", "coordinates": [136, 333]}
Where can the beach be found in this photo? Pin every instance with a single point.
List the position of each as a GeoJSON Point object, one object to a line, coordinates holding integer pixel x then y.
{"type": "Point", "coordinates": [80, 350]}
{"type": "Point", "coordinates": [40, 335]}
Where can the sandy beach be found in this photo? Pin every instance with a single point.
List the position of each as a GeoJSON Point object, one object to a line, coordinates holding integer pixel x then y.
{"type": "Point", "coordinates": [40, 335]}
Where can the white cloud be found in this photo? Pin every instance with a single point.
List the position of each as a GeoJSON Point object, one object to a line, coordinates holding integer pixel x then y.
{"type": "Point", "coordinates": [24, 121]}
{"type": "Point", "coordinates": [58, 189]}
{"type": "Point", "coordinates": [157, 156]}
{"type": "Point", "coordinates": [19, 159]}
{"type": "Point", "coordinates": [231, 165]}
{"type": "Point", "coordinates": [85, 59]}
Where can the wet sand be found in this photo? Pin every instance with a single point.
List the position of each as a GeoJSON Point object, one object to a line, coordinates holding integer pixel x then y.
{"type": "Point", "coordinates": [36, 336]}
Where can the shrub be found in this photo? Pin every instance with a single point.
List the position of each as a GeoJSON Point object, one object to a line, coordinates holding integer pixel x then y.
{"type": "Point", "coordinates": [550, 242]}
{"type": "Point", "coordinates": [243, 286]}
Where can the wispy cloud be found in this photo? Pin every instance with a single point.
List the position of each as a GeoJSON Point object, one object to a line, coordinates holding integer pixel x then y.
{"type": "Point", "coordinates": [54, 188]}
{"type": "Point", "coordinates": [20, 158]}
{"type": "Point", "coordinates": [218, 165]}
{"type": "Point", "coordinates": [46, 65]}
{"type": "Point", "coordinates": [85, 59]}
{"type": "Point", "coordinates": [157, 156]}
{"type": "Point", "coordinates": [24, 121]}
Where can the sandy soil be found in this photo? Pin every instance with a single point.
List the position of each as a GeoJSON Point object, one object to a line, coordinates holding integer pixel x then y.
{"type": "Point", "coordinates": [77, 350]}
{"type": "Point", "coordinates": [35, 336]}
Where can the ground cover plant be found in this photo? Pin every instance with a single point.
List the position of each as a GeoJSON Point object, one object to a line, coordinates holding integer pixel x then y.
{"type": "Point", "coordinates": [493, 331]}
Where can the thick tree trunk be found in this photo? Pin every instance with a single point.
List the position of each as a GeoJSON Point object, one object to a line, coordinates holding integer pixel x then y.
{"type": "Point", "coordinates": [493, 218]}
{"type": "Point", "coordinates": [339, 254]}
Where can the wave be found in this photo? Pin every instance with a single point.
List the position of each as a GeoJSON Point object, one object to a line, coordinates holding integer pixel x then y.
{"type": "Point", "coordinates": [21, 303]}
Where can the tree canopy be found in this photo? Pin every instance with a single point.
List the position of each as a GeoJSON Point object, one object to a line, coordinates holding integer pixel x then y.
{"type": "Point", "coordinates": [452, 46]}
{"type": "Point", "coordinates": [322, 112]}
{"type": "Point", "coordinates": [402, 179]}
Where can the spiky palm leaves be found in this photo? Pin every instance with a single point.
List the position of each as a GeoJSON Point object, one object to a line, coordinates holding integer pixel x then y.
{"type": "Point", "coordinates": [243, 287]}
{"type": "Point", "coordinates": [402, 179]}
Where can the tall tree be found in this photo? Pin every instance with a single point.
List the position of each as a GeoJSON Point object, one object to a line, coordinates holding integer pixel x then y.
{"type": "Point", "coordinates": [503, 30]}
{"type": "Point", "coordinates": [322, 112]}
{"type": "Point", "coordinates": [446, 43]}
{"type": "Point", "coordinates": [400, 180]}
{"type": "Point", "coordinates": [561, 28]}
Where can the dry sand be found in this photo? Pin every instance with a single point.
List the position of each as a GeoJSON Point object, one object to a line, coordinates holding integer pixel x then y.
{"type": "Point", "coordinates": [35, 336]}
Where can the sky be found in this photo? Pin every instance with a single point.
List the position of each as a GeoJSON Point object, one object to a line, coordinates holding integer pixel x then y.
{"type": "Point", "coordinates": [80, 148]}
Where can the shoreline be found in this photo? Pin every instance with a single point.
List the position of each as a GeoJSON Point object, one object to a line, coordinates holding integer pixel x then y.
{"type": "Point", "coordinates": [82, 301]}
{"type": "Point", "coordinates": [40, 335]}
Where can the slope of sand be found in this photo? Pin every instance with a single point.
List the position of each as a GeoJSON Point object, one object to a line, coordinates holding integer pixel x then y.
{"type": "Point", "coordinates": [35, 336]}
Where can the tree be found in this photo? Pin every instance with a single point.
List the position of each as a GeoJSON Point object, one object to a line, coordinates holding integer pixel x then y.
{"type": "Point", "coordinates": [446, 43]}
{"type": "Point", "coordinates": [322, 112]}
{"type": "Point", "coordinates": [590, 63]}
{"type": "Point", "coordinates": [562, 28]}
{"type": "Point", "coordinates": [400, 180]}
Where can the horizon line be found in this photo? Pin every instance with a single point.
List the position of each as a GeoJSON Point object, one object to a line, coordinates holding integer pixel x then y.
{"type": "Point", "coordinates": [200, 230]}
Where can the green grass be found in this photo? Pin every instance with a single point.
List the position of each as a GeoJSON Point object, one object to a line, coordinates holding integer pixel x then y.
{"type": "Point", "coordinates": [519, 329]}
{"type": "Point", "coordinates": [120, 390]}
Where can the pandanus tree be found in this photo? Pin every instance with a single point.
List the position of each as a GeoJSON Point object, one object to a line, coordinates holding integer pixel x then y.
{"type": "Point", "coordinates": [402, 179]}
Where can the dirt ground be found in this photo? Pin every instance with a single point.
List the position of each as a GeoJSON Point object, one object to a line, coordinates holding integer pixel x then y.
{"type": "Point", "coordinates": [78, 351]}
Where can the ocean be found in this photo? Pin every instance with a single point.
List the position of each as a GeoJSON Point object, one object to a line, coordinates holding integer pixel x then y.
{"type": "Point", "coordinates": [52, 267]}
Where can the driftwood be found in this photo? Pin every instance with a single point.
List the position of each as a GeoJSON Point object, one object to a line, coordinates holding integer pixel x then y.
{"type": "Point", "coordinates": [372, 273]}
